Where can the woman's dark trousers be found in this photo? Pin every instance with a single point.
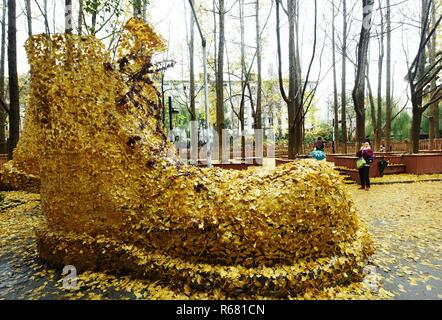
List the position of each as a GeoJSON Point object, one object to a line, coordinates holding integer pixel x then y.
{"type": "Point", "coordinates": [364, 175]}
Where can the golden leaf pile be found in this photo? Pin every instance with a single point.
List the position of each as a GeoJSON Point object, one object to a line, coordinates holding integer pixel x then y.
{"type": "Point", "coordinates": [117, 198]}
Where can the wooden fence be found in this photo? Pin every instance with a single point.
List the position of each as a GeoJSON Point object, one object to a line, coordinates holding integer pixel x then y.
{"type": "Point", "coordinates": [396, 146]}
{"type": "Point", "coordinates": [281, 151]}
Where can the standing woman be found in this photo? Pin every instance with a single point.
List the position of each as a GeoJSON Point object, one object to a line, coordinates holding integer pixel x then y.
{"type": "Point", "coordinates": [367, 154]}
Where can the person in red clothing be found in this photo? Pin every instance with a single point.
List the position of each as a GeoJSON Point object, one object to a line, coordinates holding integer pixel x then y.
{"type": "Point", "coordinates": [319, 145]}
{"type": "Point", "coordinates": [364, 173]}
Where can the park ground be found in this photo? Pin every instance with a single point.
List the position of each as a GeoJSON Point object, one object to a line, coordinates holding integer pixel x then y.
{"type": "Point", "coordinates": [405, 220]}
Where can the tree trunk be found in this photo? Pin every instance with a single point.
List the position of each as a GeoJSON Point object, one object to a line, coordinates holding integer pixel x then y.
{"type": "Point", "coordinates": [335, 84]}
{"type": "Point", "coordinates": [298, 90]}
{"type": "Point", "coordinates": [433, 131]}
{"type": "Point", "coordinates": [344, 73]}
{"type": "Point", "coordinates": [194, 127]}
{"type": "Point", "coordinates": [416, 126]}
{"type": "Point", "coordinates": [220, 80]}
{"type": "Point", "coordinates": [359, 88]}
{"type": "Point", "coordinates": [292, 134]}
{"type": "Point", "coordinates": [258, 113]}
{"type": "Point", "coordinates": [3, 113]}
{"type": "Point", "coordinates": [29, 16]}
{"type": "Point", "coordinates": [14, 103]}
{"type": "Point", "coordinates": [372, 104]}
{"type": "Point", "coordinates": [243, 80]}
{"type": "Point", "coordinates": [292, 100]}
{"type": "Point", "coordinates": [163, 100]}
{"type": "Point", "coordinates": [46, 18]}
{"type": "Point", "coordinates": [279, 118]}
{"type": "Point", "coordinates": [68, 16]}
{"type": "Point", "coordinates": [417, 90]}
{"type": "Point", "coordinates": [377, 125]}
{"type": "Point", "coordinates": [80, 18]}
{"type": "Point", "coordinates": [295, 125]}
{"type": "Point", "coordinates": [136, 6]}
{"type": "Point", "coordinates": [258, 120]}
{"type": "Point", "coordinates": [144, 10]}
{"type": "Point", "coordinates": [215, 51]}
{"type": "Point", "coordinates": [388, 105]}
{"type": "Point", "coordinates": [94, 22]}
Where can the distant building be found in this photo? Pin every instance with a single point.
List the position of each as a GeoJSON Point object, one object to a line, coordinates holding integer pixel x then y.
{"type": "Point", "coordinates": [273, 117]}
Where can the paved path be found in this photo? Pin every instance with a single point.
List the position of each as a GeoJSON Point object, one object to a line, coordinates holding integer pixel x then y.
{"type": "Point", "coordinates": [406, 223]}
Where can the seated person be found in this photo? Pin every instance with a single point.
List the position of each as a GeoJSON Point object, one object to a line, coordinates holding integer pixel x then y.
{"type": "Point", "coordinates": [319, 145]}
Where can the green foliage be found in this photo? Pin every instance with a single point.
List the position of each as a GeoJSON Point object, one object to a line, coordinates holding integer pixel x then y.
{"type": "Point", "coordinates": [100, 11]}
{"type": "Point", "coordinates": [400, 127]}
{"type": "Point", "coordinates": [102, 7]}
{"type": "Point", "coordinates": [272, 104]}
{"type": "Point", "coordinates": [91, 6]}
{"type": "Point", "coordinates": [103, 10]}
{"type": "Point", "coordinates": [323, 130]}
{"type": "Point", "coordinates": [426, 121]}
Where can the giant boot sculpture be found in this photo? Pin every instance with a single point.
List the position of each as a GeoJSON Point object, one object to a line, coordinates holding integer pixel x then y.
{"type": "Point", "coordinates": [117, 199]}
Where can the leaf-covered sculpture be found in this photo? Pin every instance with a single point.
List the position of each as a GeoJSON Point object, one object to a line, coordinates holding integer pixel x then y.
{"type": "Point", "coordinates": [117, 198]}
